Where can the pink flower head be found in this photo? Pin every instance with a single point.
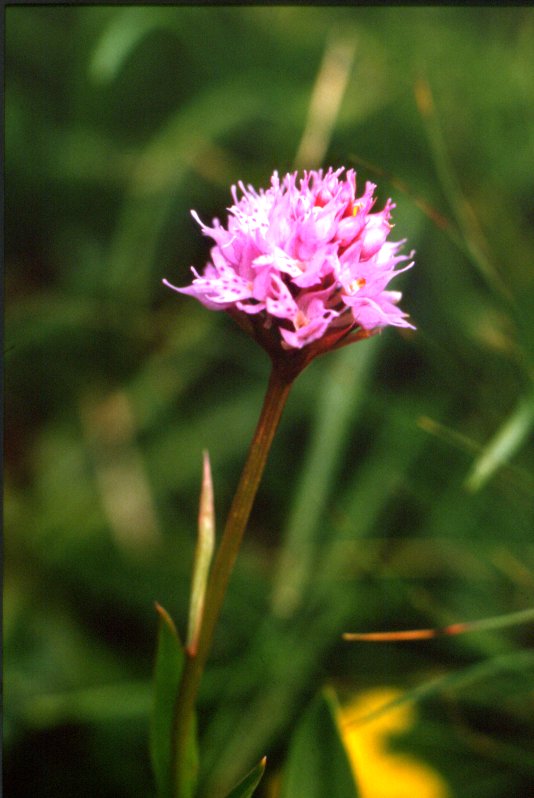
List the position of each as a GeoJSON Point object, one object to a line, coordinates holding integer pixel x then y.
{"type": "Point", "coordinates": [304, 265]}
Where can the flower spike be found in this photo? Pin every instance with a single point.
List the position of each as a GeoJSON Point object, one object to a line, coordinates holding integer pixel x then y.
{"type": "Point", "coordinates": [302, 265]}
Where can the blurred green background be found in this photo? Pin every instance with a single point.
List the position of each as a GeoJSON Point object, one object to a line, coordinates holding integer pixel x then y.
{"type": "Point", "coordinates": [399, 490]}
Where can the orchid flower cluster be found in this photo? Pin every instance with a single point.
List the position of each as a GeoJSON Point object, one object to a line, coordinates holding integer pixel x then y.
{"type": "Point", "coordinates": [303, 263]}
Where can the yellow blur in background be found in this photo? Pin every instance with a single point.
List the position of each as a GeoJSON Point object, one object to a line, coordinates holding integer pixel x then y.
{"type": "Point", "coordinates": [379, 772]}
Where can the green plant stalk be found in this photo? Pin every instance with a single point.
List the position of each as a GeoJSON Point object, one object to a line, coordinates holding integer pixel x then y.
{"type": "Point", "coordinates": [273, 405]}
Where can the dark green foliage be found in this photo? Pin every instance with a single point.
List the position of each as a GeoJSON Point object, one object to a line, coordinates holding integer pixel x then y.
{"type": "Point", "coordinates": [317, 762]}
{"type": "Point", "coordinates": [247, 785]}
{"type": "Point", "coordinates": [169, 665]}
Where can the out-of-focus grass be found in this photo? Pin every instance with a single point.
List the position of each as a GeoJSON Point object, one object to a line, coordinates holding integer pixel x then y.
{"type": "Point", "coordinates": [399, 489]}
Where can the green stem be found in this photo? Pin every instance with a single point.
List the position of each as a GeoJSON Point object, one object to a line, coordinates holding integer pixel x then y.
{"type": "Point", "coordinates": [273, 405]}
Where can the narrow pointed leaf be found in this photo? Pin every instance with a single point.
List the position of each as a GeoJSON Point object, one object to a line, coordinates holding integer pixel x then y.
{"type": "Point", "coordinates": [318, 764]}
{"type": "Point", "coordinates": [170, 658]}
{"type": "Point", "coordinates": [505, 443]}
{"type": "Point", "coordinates": [203, 556]}
{"type": "Point", "coordinates": [246, 787]}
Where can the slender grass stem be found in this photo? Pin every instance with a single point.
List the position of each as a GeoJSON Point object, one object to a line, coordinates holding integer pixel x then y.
{"type": "Point", "coordinates": [274, 402]}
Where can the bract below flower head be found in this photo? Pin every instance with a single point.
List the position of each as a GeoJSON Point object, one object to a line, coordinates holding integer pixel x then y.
{"type": "Point", "coordinates": [303, 266]}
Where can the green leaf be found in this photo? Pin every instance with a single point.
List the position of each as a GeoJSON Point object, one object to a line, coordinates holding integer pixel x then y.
{"type": "Point", "coordinates": [170, 658]}
{"type": "Point", "coordinates": [318, 764]}
{"type": "Point", "coordinates": [117, 41]}
{"type": "Point", "coordinates": [203, 556]}
{"type": "Point", "coordinates": [246, 787]}
{"type": "Point", "coordinates": [503, 445]}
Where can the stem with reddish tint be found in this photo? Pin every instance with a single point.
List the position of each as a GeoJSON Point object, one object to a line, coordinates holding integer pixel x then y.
{"type": "Point", "coordinates": [273, 405]}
